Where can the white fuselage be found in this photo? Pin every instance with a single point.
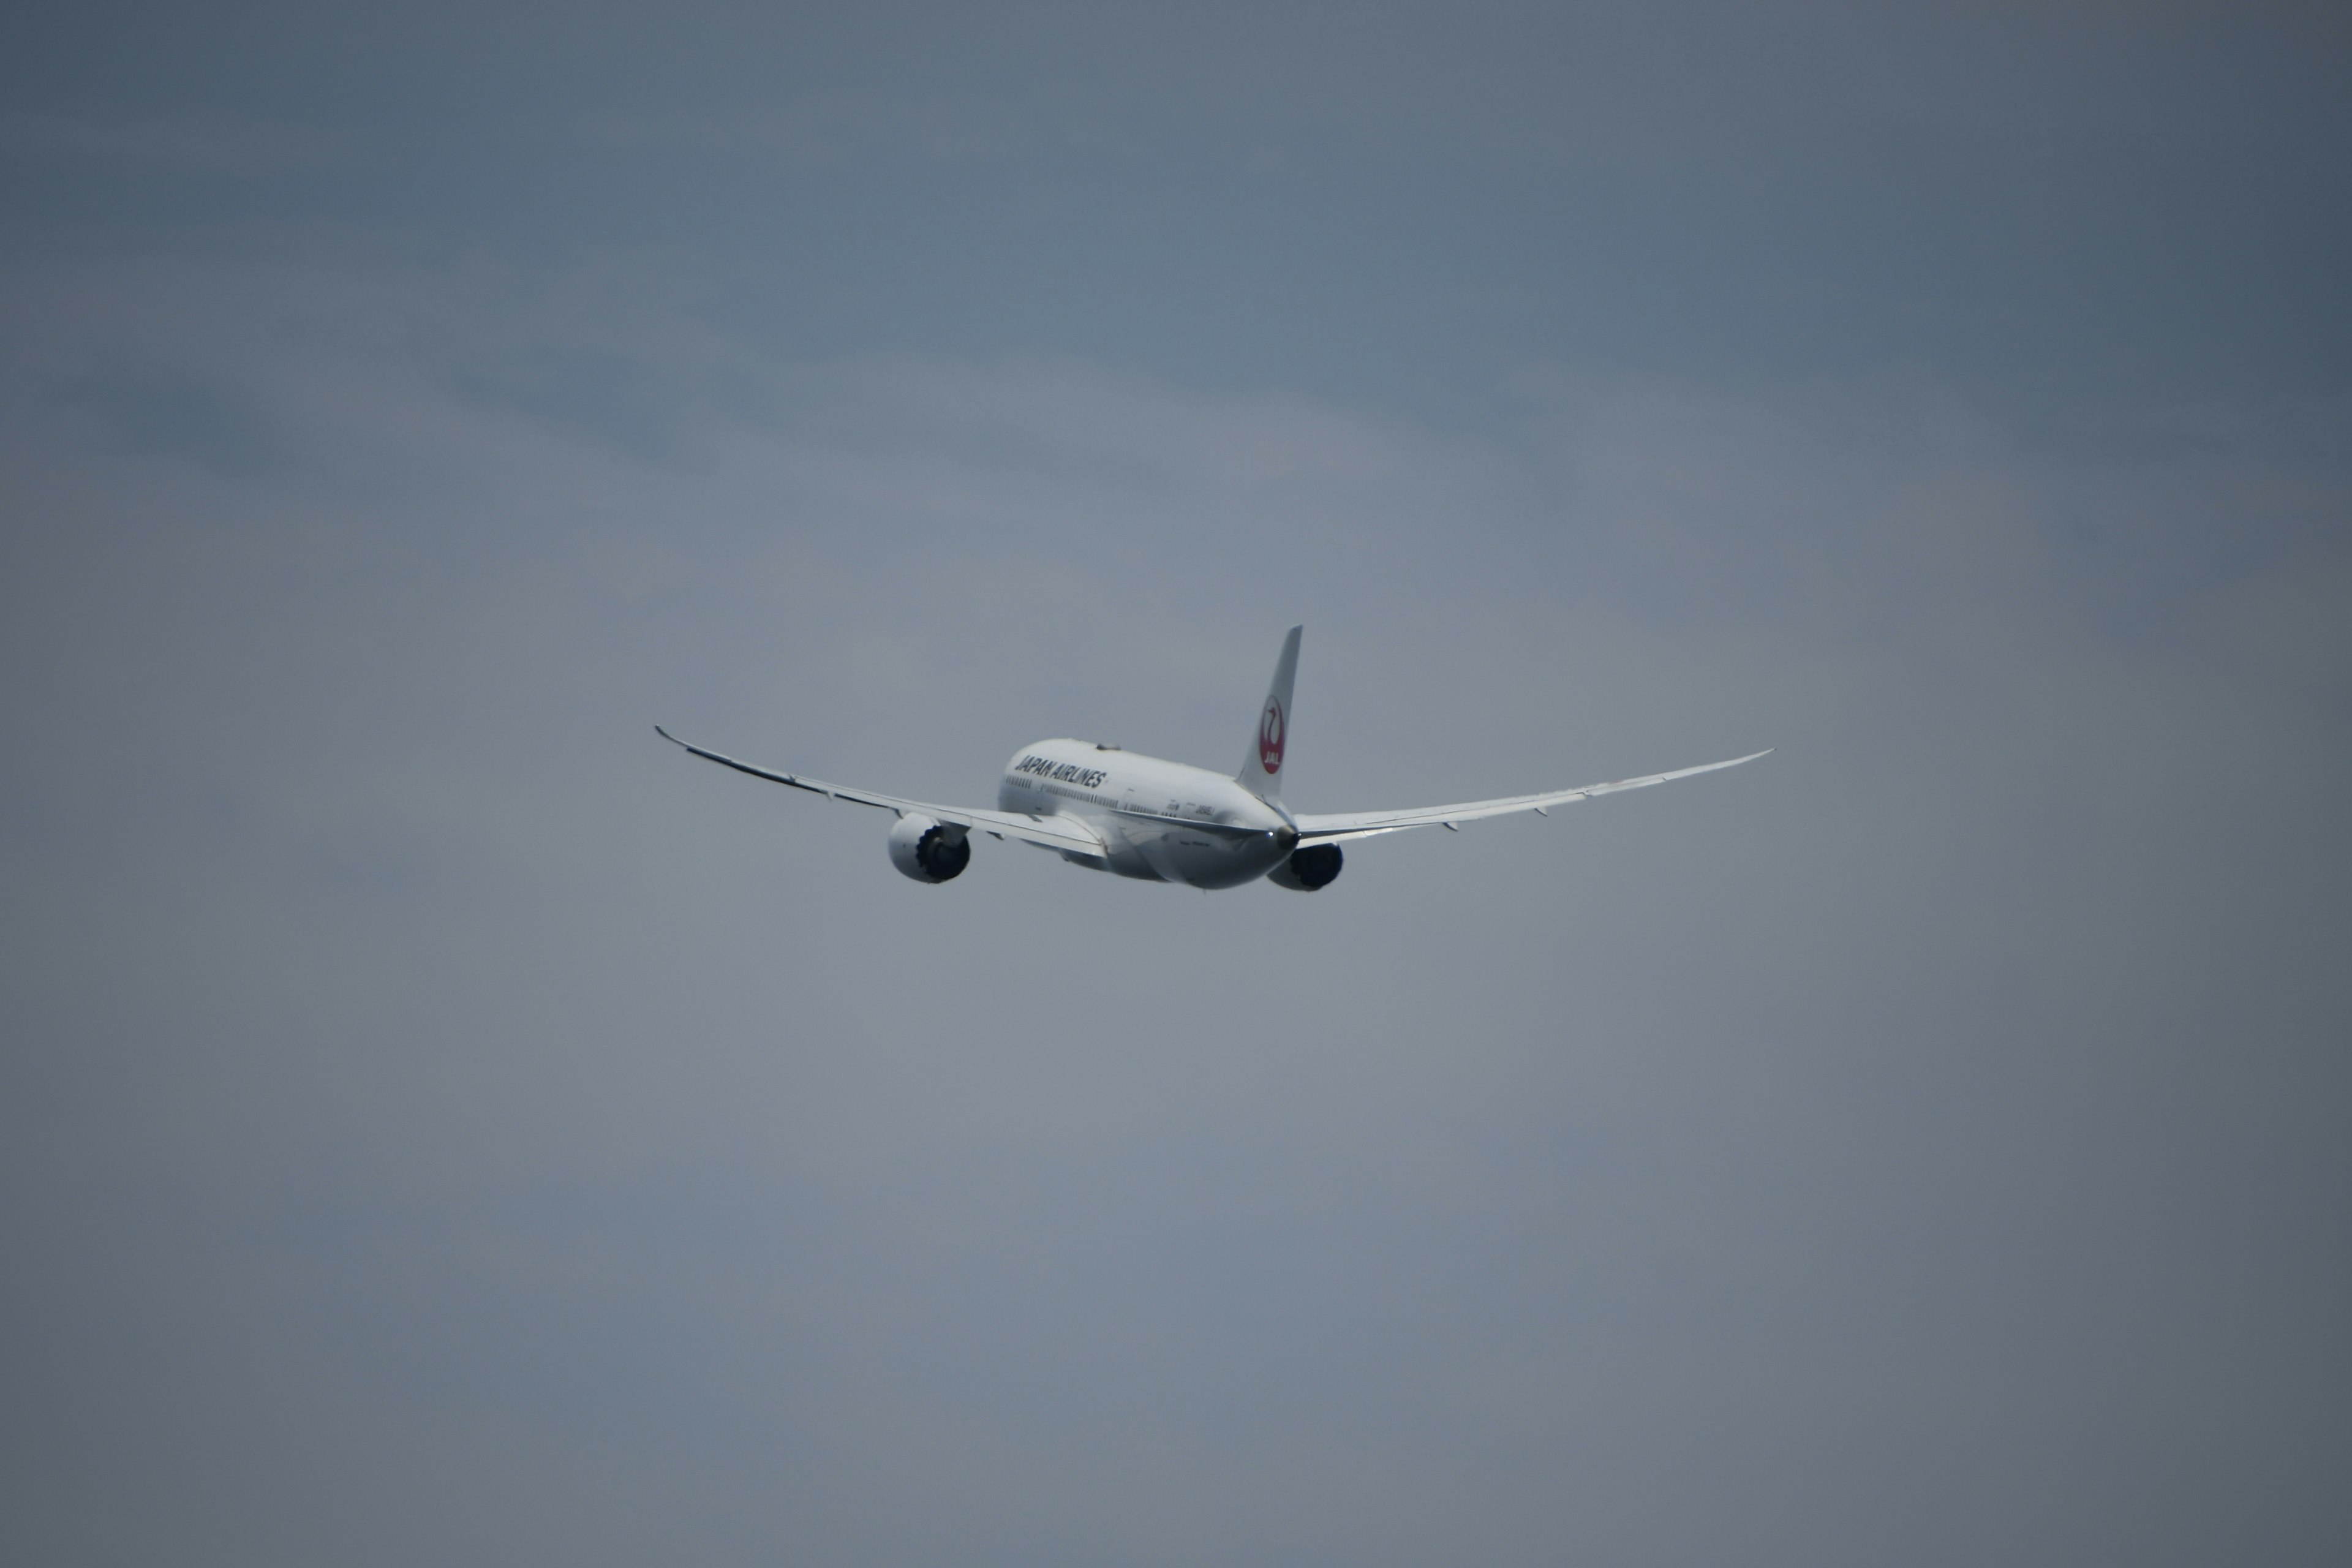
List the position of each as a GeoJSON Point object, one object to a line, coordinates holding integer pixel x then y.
{"type": "Point", "coordinates": [1147, 809]}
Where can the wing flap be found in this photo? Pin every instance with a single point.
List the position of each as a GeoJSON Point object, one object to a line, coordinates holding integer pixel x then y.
{"type": "Point", "coordinates": [1331, 827]}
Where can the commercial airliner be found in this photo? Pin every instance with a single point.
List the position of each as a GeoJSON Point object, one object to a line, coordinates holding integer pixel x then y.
{"type": "Point", "coordinates": [1133, 815]}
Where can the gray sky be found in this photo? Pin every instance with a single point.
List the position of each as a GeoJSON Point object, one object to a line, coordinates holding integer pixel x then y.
{"type": "Point", "coordinates": [439, 1121]}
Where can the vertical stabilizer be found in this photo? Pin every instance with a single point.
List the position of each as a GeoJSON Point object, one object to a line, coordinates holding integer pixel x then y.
{"type": "Point", "coordinates": [1262, 774]}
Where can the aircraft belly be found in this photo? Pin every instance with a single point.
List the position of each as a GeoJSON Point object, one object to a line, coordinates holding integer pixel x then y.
{"type": "Point", "coordinates": [1202, 860]}
{"type": "Point", "coordinates": [1140, 854]}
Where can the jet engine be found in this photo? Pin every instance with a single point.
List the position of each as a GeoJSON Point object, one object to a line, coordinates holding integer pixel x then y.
{"type": "Point", "coordinates": [1317, 866]}
{"type": "Point", "coordinates": [929, 852]}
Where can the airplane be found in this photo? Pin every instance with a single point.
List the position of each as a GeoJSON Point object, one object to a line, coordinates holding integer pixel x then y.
{"type": "Point", "coordinates": [1112, 810]}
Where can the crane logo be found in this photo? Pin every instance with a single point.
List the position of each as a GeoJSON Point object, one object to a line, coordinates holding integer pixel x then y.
{"type": "Point", "coordinates": [1270, 735]}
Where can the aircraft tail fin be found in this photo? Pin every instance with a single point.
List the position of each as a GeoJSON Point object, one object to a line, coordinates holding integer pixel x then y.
{"type": "Point", "coordinates": [1260, 774]}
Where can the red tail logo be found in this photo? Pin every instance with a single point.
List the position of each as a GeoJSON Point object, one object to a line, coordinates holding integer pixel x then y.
{"type": "Point", "coordinates": [1270, 737]}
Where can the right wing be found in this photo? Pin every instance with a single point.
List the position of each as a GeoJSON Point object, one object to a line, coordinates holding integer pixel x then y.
{"type": "Point", "coordinates": [1060, 833]}
{"type": "Point", "coordinates": [1366, 824]}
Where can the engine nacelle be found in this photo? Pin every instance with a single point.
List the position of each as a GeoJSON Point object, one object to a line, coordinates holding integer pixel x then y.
{"type": "Point", "coordinates": [929, 852]}
{"type": "Point", "coordinates": [1317, 866]}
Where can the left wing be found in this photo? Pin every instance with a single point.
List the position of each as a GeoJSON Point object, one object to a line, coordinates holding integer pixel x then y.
{"type": "Point", "coordinates": [1366, 824]}
{"type": "Point", "coordinates": [1061, 833]}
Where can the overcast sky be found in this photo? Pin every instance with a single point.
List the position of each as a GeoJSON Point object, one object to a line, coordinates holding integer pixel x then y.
{"type": "Point", "coordinates": [439, 1122]}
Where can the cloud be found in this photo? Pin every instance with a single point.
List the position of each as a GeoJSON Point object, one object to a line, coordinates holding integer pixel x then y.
{"type": "Point", "coordinates": [197, 146]}
{"type": "Point", "coordinates": [446, 1121]}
